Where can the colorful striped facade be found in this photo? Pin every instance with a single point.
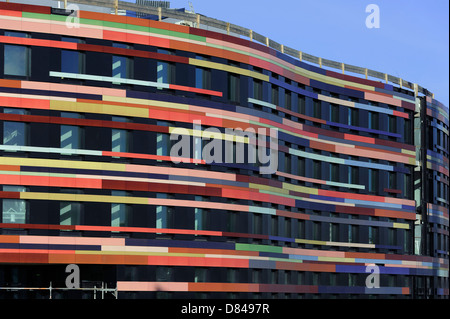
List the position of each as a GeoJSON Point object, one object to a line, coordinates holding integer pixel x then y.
{"type": "Point", "coordinates": [87, 177]}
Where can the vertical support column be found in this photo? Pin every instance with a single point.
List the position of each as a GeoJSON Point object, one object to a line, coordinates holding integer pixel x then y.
{"type": "Point", "coordinates": [424, 180]}
{"type": "Point", "coordinates": [300, 55]}
{"type": "Point", "coordinates": [282, 48]}
{"type": "Point", "coordinates": [228, 28]}
{"type": "Point", "coordinates": [401, 83]}
{"type": "Point", "coordinates": [267, 41]}
{"type": "Point", "coordinates": [65, 4]}
{"type": "Point", "coordinates": [251, 35]}
{"type": "Point", "coordinates": [320, 62]}
{"type": "Point", "coordinates": [198, 21]}
{"type": "Point", "coordinates": [116, 7]}
{"type": "Point", "coordinates": [366, 73]}
{"type": "Point", "coordinates": [159, 14]}
{"type": "Point", "coordinates": [343, 68]}
{"type": "Point", "coordinates": [386, 77]}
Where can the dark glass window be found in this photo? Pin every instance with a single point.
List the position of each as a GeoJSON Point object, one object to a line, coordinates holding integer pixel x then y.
{"type": "Point", "coordinates": [334, 113]}
{"type": "Point", "coordinates": [233, 87]}
{"type": "Point", "coordinates": [373, 179]}
{"type": "Point", "coordinates": [301, 166]}
{"type": "Point", "coordinates": [17, 58]}
{"type": "Point", "coordinates": [301, 104]}
{"type": "Point", "coordinates": [334, 172]}
{"type": "Point", "coordinates": [392, 121]}
{"type": "Point", "coordinates": [275, 95]}
{"type": "Point", "coordinates": [120, 212]}
{"type": "Point", "coordinates": [352, 116]}
{"type": "Point", "coordinates": [165, 71]}
{"type": "Point", "coordinates": [70, 213]}
{"type": "Point", "coordinates": [257, 223]}
{"type": "Point", "coordinates": [317, 109]}
{"type": "Point", "coordinates": [14, 133]}
{"type": "Point", "coordinates": [14, 210]}
{"type": "Point", "coordinates": [392, 176]}
{"type": "Point", "coordinates": [202, 76]}
{"type": "Point", "coordinates": [122, 66]}
{"type": "Point", "coordinates": [288, 100]}
{"type": "Point", "coordinates": [317, 169]}
{"type": "Point", "coordinates": [70, 134]}
{"type": "Point", "coordinates": [257, 89]}
{"type": "Point", "coordinates": [72, 61]}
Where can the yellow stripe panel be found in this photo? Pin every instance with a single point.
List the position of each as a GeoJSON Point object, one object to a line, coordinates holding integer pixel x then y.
{"type": "Point", "coordinates": [62, 163]}
{"type": "Point", "coordinates": [308, 241]}
{"type": "Point", "coordinates": [335, 100]}
{"type": "Point", "coordinates": [110, 109]}
{"type": "Point", "coordinates": [84, 198]}
{"type": "Point", "coordinates": [232, 69]}
{"type": "Point", "coordinates": [401, 225]}
{"type": "Point", "coordinates": [337, 259]}
{"type": "Point", "coordinates": [130, 100]}
{"type": "Point", "coordinates": [301, 189]}
{"type": "Point", "coordinates": [217, 135]}
{"type": "Point", "coordinates": [330, 80]}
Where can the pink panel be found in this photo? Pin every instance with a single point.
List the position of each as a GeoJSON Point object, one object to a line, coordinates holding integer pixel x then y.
{"type": "Point", "coordinates": [382, 99]}
{"type": "Point", "coordinates": [11, 24]}
{"type": "Point", "coordinates": [151, 286]}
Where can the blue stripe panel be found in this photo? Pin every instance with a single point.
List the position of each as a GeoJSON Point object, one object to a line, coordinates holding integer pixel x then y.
{"type": "Point", "coordinates": [337, 89]}
{"type": "Point", "coordinates": [358, 128]}
{"type": "Point", "coordinates": [265, 264]}
{"type": "Point", "coordinates": [315, 206]}
{"type": "Point", "coordinates": [49, 246]}
{"type": "Point", "coordinates": [61, 170]}
{"type": "Point", "coordinates": [384, 290]}
{"type": "Point", "coordinates": [292, 240]}
{"type": "Point", "coordinates": [275, 255]}
{"type": "Point", "coordinates": [178, 243]}
{"type": "Point", "coordinates": [341, 289]}
{"type": "Point", "coordinates": [350, 269]}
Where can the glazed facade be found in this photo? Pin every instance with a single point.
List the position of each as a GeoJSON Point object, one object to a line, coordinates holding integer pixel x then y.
{"type": "Point", "coordinates": [87, 178]}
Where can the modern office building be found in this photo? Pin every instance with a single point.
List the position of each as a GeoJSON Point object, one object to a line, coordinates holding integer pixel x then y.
{"type": "Point", "coordinates": [90, 101]}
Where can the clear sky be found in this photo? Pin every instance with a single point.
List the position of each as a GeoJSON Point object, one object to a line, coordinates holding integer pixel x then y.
{"type": "Point", "coordinates": [412, 41]}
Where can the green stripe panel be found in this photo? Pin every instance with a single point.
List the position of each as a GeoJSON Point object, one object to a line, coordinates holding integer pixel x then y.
{"type": "Point", "coordinates": [116, 25]}
{"type": "Point", "coordinates": [263, 248]}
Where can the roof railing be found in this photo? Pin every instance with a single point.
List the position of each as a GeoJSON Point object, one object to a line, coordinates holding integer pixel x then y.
{"type": "Point", "coordinates": [196, 19]}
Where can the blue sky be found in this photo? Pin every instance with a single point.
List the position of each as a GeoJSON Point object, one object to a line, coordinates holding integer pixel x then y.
{"type": "Point", "coordinates": [412, 41]}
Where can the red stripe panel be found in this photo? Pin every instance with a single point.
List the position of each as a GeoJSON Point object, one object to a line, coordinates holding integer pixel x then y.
{"type": "Point", "coordinates": [197, 261]}
{"type": "Point", "coordinates": [354, 79]}
{"type": "Point", "coordinates": [51, 181]}
{"type": "Point", "coordinates": [24, 103]}
{"type": "Point", "coordinates": [10, 13]}
{"type": "Point", "coordinates": [160, 187]}
{"type": "Point", "coordinates": [13, 195]}
{"type": "Point", "coordinates": [39, 42]}
{"type": "Point", "coordinates": [195, 90]}
{"type": "Point", "coordinates": [25, 7]}
{"type": "Point", "coordinates": [83, 122]}
{"type": "Point", "coordinates": [401, 114]}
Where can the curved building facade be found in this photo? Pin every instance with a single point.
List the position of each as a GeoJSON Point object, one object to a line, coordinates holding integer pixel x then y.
{"type": "Point", "coordinates": [108, 128]}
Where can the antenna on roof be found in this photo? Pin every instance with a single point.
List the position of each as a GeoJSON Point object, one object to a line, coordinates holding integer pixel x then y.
{"type": "Point", "coordinates": [191, 7]}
